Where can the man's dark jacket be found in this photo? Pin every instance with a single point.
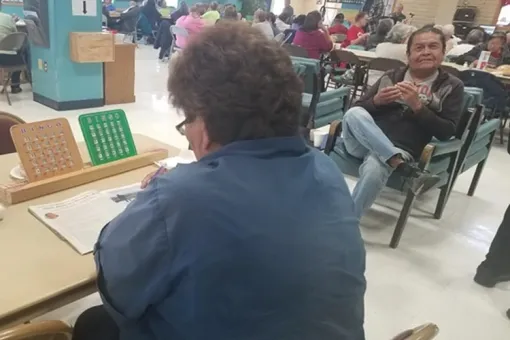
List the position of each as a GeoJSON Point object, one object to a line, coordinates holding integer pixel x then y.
{"type": "Point", "coordinates": [409, 130]}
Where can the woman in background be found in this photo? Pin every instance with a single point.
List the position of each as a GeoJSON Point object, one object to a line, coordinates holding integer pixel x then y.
{"type": "Point", "coordinates": [192, 23]}
{"type": "Point", "coordinates": [395, 46]}
{"type": "Point", "coordinates": [179, 12]}
{"type": "Point", "coordinates": [313, 37]}
{"type": "Point", "coordinates": [298, 22]}
{"type": "Point", "coordinates": [261, 23]}
{"type": "Point", "coordinates": [355, 34]}
{"type": "Point", "coordinates": [151, 13]}
{"type": "Point", "coordinates": [383, 28]}
{"type": "Point", "coordinates": [337, 26]}
{"type": "Point", "coordinates": [281, 22]}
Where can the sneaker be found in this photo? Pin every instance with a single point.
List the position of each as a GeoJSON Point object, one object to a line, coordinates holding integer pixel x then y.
{"type": "Point", "coordinates": [16, 89]}
{"type": "Point", "coordinates": [419, 180]}
{"type": "Point", "coordinates": [508, 313]}
{"type": "Point", "coordinates": [488, 278]}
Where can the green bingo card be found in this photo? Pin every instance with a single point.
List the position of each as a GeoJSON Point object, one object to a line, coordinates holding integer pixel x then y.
{"type": "Point", "coordinates": [107, 136]}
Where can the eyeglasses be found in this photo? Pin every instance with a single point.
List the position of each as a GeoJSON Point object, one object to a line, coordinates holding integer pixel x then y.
{"type": "Point", "coordinates": [181, 127]}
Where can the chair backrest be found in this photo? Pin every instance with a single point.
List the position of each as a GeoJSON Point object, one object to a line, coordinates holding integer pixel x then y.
{"type": "Point", "coordinates": [179, 31]}
{"type": "Point", "coordinates": [6, 122]}
{"type": "Point", "coordinates": [309, 71]}
{"type": "Point", "coordinates": [296, 51]}
{"type": "Point", "coordinates": [13, 42]}
{"type": "Point", "coordinates": [385, 64]}
{"type": "Point", "coordinates": [356, 47]}
{"type": "Point", "coordinates": [338, 56]}
{"type": "Point", "coordinates": [451, 70]}
{"type": "Point", "coordinates": [495, 94]}
{"type": "Point", "coordinates": [466, 115]}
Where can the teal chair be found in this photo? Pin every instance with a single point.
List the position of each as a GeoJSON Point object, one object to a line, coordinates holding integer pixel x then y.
{"type": "Point", "coordinates": [438, 157]}
{"type": "Point", "coordinates": [319, 108]}
{"type": "Point", "coordinates": [478, 152]}
{"type": "Point", "coordinates": [356, 47]}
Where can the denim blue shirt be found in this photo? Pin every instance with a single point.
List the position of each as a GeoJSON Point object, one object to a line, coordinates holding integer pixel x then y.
{"type": "Point", "coordinates": [258, 240]}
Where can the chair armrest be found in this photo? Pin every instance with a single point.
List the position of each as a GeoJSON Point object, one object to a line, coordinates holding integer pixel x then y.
{"type": "Point", "coordinates": [41, 328]}
{"type": "Point", "coordinates": [337, 93]}
{"type": "Point", "coordinates": [334, 131]}
{"type": "Point", "coordinates": [445, 147]}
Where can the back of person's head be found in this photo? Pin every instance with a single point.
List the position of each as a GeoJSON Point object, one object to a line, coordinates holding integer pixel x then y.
{"type": "Point", "coordinates": [213, 6]}
{"type": "Point", "coordinates": [448, 31]}
{"type": "Point", "coordinates": [475, 37]}
{"type": "Point", "coordinates": [284, 16]}
{"type": "Point", "coordinates": [312, 21]}
{"type": "Point", "coordinates": [271, 17]}
{"type": "Point", "coordinates": [260, 15]}
{"type": "Point", "coordinates": [400, 33]}
{"type": "Point", "coordinates": [246, 88]}
{"type": "Point", "coordinates": [360, 16]}
{"type": "Point", "coordinates": [339, 18]}
{"type": "Point", "coordinates": [424, 30]}
{"type": "Point", "coordinates": [299, 20]}
{"type": "Point", "coordinates": [230, 13]}
{"type": "Point", "coordinates": [384, 27]}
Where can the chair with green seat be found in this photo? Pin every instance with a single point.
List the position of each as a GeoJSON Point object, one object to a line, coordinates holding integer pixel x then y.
{"type": "Point", "coordinates": [439, 158]}
{"type": "Point", "coordinates": [319, 108]}
{"type": "Point", "coordinates": [478, 152]}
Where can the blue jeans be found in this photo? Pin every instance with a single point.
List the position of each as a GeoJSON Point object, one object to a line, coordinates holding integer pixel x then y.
{"type": "Point", "coordinates": [363, 139]}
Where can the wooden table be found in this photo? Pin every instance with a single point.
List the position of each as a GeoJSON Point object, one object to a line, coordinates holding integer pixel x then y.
{"type": "Point", "coordinates": [367, 56]}
{"type": "Point", "coordinates": [38, 271]}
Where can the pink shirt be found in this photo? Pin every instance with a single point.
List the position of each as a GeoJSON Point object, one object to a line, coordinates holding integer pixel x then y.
{"type": "Point", "coordinates": [192, 24]}
{"type": "Point", "coordinates": [315, 42]}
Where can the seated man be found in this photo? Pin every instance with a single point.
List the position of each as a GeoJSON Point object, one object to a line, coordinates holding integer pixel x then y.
{"type": "Point", "coordinates": [391, 124]}
{"type": "Point", "coordinates": [258, 239]}
{"type": "Point", "coordinates": [500, 54]}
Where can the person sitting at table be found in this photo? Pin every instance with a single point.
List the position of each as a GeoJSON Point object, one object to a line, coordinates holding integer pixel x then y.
{"type": "Point", "coordinates": [261, 23]}
{"type": "Point", "coordinates": [298, 22]}
{"type": "Point", "coordinates": [272, 19]}
{"type": "Point", "coordinates": [337, 26]}
{"type": "Point", "coordinates": [398, 15]}
{"type": "Point", "coordinates": [212, 15]}
{"type": "Point", "coordinates": [398, 116]}
{"type": "Point", "coordinates": [281, 22]}
{"type": "Point", "coordinates": [383, 28]}
{"type": "Point", "coordinates": [395, 46]}
{"type": "Point", "coordinates": [192, 23]}
{"type": "Point", "coordinates": [108, 5]}
{"type": "Point", "coordinates": [151, 12]}
{"type": "Point", "coordinates": [474, 38]}
{"type": "Point", "coordinates": [500, 54]}
{"type": "Point", "coordinates": [355, 34]}
{"type": "Point", "coordinates": [129, 18]}
{"type": "Point", "coordinates": [217, 249]}
{"type": "Point", "coordinates": [7, 26]}
{"type": "Point", "coordinates": [313, 36]}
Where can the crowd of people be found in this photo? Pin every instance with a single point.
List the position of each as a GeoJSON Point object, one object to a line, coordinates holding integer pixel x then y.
{"type": "Point", "coordinates": [217, 248]}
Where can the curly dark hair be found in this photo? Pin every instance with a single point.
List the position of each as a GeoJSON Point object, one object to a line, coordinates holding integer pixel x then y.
{"type": "Point", "coordinates": [240, 83]}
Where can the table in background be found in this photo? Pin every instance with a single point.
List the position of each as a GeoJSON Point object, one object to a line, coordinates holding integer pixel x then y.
{"type": "Point", "coordinates": [367, 56]}
{"type": "Point", "coordinates": [39, 271]}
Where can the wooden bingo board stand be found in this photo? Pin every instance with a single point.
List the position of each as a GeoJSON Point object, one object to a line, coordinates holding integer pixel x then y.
{"type": "Point", "coordinates": [70, 172]}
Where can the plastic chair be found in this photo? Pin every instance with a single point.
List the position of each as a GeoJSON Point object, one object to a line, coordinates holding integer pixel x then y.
{"type": "Point", "coordinates": [296, 51]}
{"type": "Point", "coordinates": [441, 158]}
{"type": "Point", "coordinates": [43, 330]}
{"type": "Point", "coordinates": [495, 95]}
{"type": "Point", "coordinates": [383, 65]}
{"type": "Point", "coordinates": [7, 120]}
{"type": "Point", "coordinates": [279, 38]}
{"type": "Point", "coordinates": [177, 31]}
{"type": "Point", "coordinates": [13, 45]}
{"type": "Point", "coordinates": [289, 36]}
{"type": "Point", "coordinates": [341, 61]}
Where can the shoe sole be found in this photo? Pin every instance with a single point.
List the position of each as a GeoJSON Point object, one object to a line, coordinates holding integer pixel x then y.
{"type": "Point", "coordinates": [491, 283]}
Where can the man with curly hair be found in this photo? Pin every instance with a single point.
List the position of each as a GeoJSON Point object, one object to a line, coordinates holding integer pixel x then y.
{"type": "Point", "coordinates": [258, 239]}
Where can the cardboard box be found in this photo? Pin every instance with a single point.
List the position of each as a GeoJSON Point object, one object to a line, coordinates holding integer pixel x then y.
{"type": "Point", "coordinates": [91, 47]}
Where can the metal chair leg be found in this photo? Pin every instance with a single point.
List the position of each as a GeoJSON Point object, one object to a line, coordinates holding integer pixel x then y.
{"type": "Point", "coordinates": [476, 177]}
{"type": "Point", "coordinates": [441, 202]}
{"type": "Point", "coordinates": [402, 219]}
{"type": "Point", "coordinates": [7, 81]}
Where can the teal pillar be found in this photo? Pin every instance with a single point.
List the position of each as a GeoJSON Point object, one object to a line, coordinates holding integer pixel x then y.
{"type": "Point", "coordinates": [58, 82]}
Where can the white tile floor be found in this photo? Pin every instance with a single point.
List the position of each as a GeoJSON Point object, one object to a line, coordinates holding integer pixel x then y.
{"type": "Point", "coordinates": [428, 278]}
